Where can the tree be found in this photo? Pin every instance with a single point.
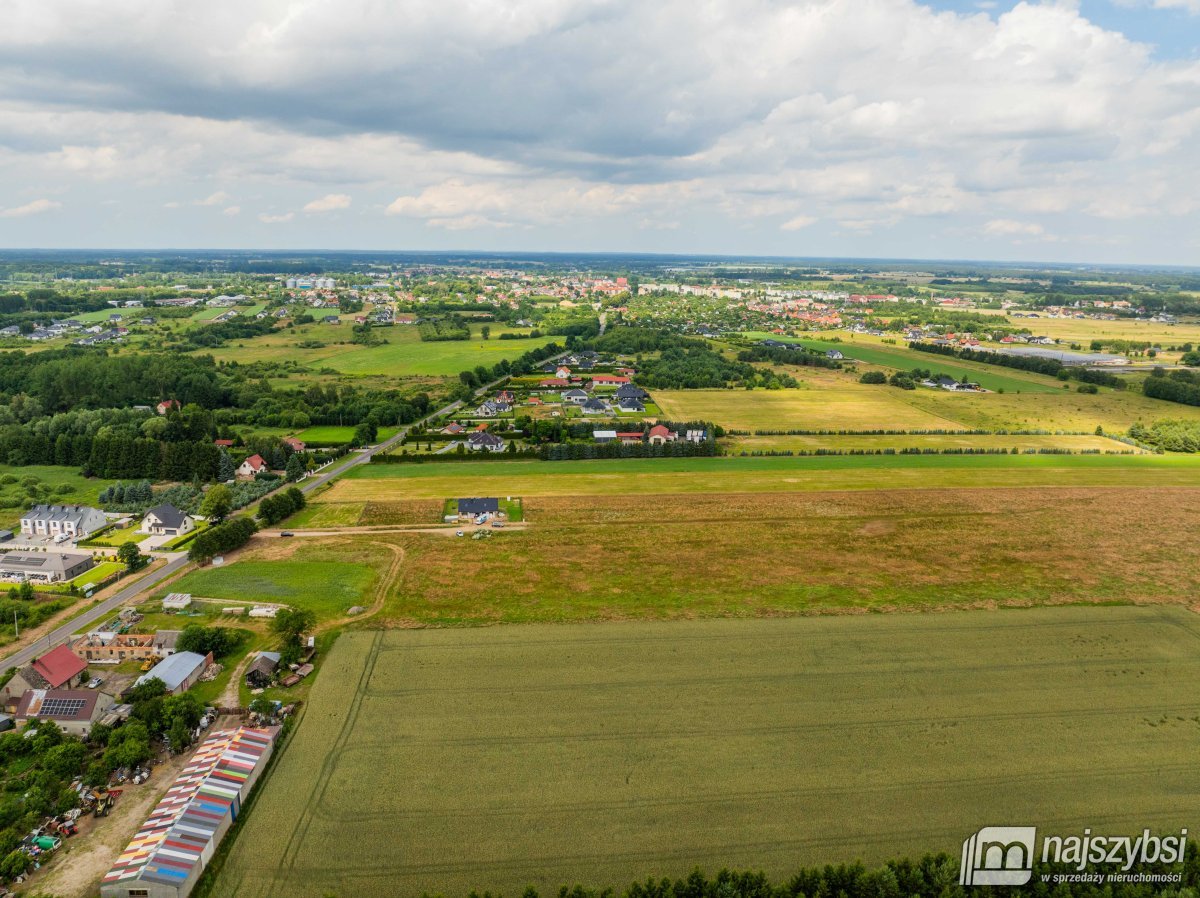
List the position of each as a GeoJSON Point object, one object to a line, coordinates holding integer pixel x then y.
{"type": "Point", "coordinates": [225, 468]}
{"type": "Point", "coordinates": [202, 640]}
{"type": "Point", "coordinates": [294, 469]}
{"type": "Point", "coordinates": [365, 434]}
{"type": "Point", "coordinates": [129, 554]}
{"type": "Point", "coordinates": [290, 624]}
{"type": "Point", "coordinates": [217, 504]}
{"type": "Point", "coordinates": [485, 332]}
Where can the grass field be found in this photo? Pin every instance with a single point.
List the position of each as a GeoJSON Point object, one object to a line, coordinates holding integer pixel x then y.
{"type": "Point", "coordinates": [122, 535]}
{"type": "Point", "coordinates": [332, 435]}
{"type": "Point", "coordinates": [751, 554]}
{"type": "Point", "coordinates": [376, 483]}
{"type": "Point", "coordinates": [320, 583]}
{"type": "Point", "coordinates": [403, 354]}
{"type": "Point", "coordinates": [443, 762]}
{"type": "Point", "coordinates": [873, 351]}
{"type": "Point", "coordinates": [75, 489]}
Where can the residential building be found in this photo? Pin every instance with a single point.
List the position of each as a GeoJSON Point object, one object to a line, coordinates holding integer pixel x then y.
{"type": "Point", "coordinates": [59, 668]}
{"type": "Point", "coordinates": [251, 466]}
{"type": "Point", "coordinates": [487, 442]}
{"type": "Point", "coordinates": [44, 567]}
{"type": "Point", "coordinates": [659, 434]}
{"type": "Point", "coordinates": [167, 520]}
{"type": "Point", "coordinates": [76, 521]}
{"type": "Point", "coordinates": [74, 710]}
{"type": "Point", "coordinates": [468, 509]}
{"type": "Point", "coordinates": [294, 444]}
{"type": "Point", "coordinates": [166, 405]}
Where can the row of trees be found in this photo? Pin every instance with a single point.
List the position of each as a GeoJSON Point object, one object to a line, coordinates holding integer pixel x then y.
{"type": "Point", "coordinates": [225, 537]}
{"type": "Point", "coordinates": [276, 507]}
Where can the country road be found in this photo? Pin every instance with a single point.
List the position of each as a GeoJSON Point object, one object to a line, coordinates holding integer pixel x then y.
{"type": "Point", "coordinates": [178, 560]}
{"type": "Point", "coordinates": [175, 561]}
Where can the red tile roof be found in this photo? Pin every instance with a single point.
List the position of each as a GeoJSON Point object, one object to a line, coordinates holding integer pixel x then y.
{"type": "Point", "coordinates": [256, 461]}
{"type": "Point", "coordinates": [59, 665]}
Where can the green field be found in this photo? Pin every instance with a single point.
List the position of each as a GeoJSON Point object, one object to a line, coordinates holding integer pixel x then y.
{"type": "Point", "coordinates": [876, 442]}
{"type": "Point", "coordinates": [332, 435]}
{"type": "Point", "coordinates": [325, 587]}
{"type": "Point", "coordinates": [378, 482]}
{"type": "Point", "coordinates": [62, 486]}
{"type": "Point", "coordinates": [447, 761]}
{"type": "Point", "coordinates": [403, 354]}
{"type": "Point", "coordinates": [899, 357]}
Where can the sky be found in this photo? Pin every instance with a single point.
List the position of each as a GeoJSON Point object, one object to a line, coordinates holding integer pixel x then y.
{"type": "Point", "coordinates": [956, 129]}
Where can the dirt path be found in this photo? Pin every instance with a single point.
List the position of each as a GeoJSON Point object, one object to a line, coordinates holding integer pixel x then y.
{"type": "Point", "coordinates": [86, 857]}
{"type": "Point", "coordinates": [381, 590]}
{"type": "Point", "coordinates": [445, 530]}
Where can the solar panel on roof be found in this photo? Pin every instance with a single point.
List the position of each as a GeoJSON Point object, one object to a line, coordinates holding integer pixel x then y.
{"type": "Point", "coordinates": [61, 707]}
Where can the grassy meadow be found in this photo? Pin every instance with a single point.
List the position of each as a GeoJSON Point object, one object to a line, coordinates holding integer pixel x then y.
{"type": "Point", "coordinates": [450, 761]}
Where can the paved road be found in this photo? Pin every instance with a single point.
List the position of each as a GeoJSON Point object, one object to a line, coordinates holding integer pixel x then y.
{"type": "Point", "coordinates": [175, 561]}
{"type": "Point", "coordinates": [178, 560]}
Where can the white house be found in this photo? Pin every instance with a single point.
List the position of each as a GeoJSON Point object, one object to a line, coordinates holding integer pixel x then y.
{"type": "Point", "coordinates": [76, 521]}
{"type": "Point", "coordinates": [251, 466]}
{"type": "Point", "coordinates": [167, 520]}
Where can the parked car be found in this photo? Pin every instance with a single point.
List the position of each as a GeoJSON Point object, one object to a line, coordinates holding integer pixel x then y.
{"type": "Point", "coordinates": [94, 683]}
{"type": "Point", "coordinates": [287, 533]}
{"type": "Point", "coordinates": [458, 533]}
{"type": "Point", "coordinates": [497, 524]}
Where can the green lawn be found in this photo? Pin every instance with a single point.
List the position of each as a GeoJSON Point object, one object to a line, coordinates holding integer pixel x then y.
{"type": "Point", "coordinates": [63, 485]}
{"type": "Point", "coordinates": [332, 435]}
{"type": "Point", "coordinates": [121, 536]}
{"type": "Point", "coordinates": [327, 588]}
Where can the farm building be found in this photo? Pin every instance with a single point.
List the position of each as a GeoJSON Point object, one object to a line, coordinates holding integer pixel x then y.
{"type": "Point", "coordinates": [177, 601]}
{"type": "Point", "coordinates": [179, 671]}
{"type": "Point", "coordinates": [261, 669]}
{"type": "Point", "coordinates": [169, 853]}
{"type": "Point", "coordinates": [44, 567]}
{"type": "Point", "coordinates": [74, 710]}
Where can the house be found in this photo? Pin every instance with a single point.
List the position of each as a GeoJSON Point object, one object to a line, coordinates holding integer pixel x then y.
{"type": "Point", "coordinates": [506, 396]}
{"type": "Point", "coordinates": [74, 710]}
{"type": "Point", "coordinates": [167, 520]}
{"type": "Point", "coordinates": [630, 405]}
{"type": "Point", "coordinates": [179, 671]}
{"type": "Point", "coordinates": [453, 428]}
{"type": "Point", "coordinates": [59, 668]}
{"type": "Point", "coordinates": [553, 383]}
{"type": "Point", "coordinates": [594, 407]}
{"type": "Point", "coordinates": [631, 391]}
{"type": "Point", "coordinates": [76, 521]}
{"type": "Point", "coordinates": [630, 438]}
{"type": "Point", "coordinates": [166, 405]}
{"type": "Point", "coordinates": [609, 380]}
{"type": "Point", "coordinates": [44, 567]}
{"type": "Point", "coordinates": [576, 396]}
{"type": "Point", "coordinates": [294, 444]}
{"type": "Point", "coordinates": [167, 856]}
{"type": "Point", "coordinates": [659, 434]}
{"type": "Point", "coordinates": [562, 371]}
{"type": "Point", "coordinates": [261, 670]}
{"type": "Point", "coordinates": [834, 354]}
{"type": "Point", "coordinates": [491, 409]}
{"type": "Point", "coordinates": [11, 331]}
{"type": "Point", "coordinates": [605, 436]}
{"type": "Point", "coordinates": [223, 444]}
{"type": "Point", "coordinates": [484, 441]}
{"type": "Point", "coordinates": [330, 319]}
{"type": "Point", "coordinates": [252, 466]}
{"type": "Point", "coordinates": [470, 509]}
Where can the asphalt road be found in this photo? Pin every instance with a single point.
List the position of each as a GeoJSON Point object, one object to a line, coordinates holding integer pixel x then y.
{"type": "Point", "coordinates": [98, 612]}
{"type": "Point", "coordinates": [178, 561]}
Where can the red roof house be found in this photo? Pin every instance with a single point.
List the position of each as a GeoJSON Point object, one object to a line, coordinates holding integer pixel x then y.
{"type": "Point", "coordinates": [59, 666]}
{"type": "Point", "coordinates": [166, 405]}
{"type": "Point", "coordinates": [660, 434]}
{"type": "Point", "coordinates": [297, 445]}
{"type": "Point", "coordinates": [225, 443]}
{"type": "Point", "coordinates": [554, 382]}
{"type": "Point", "coordinates": [251, 466]}
{"type": "Point", "coordinates": [609, 379]}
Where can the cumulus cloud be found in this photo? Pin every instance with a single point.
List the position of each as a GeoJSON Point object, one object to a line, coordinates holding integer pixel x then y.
{"type": "Point", "coordinates": [34, 208]}
{"type": "Point", "coordinates": [232, 210]}
{"type": "Point", "coordinates": [576, 122]}
{"type": "Point", "coordinates": [1006, 227]}
{"type": "Point", "coordinates": [329, 203]}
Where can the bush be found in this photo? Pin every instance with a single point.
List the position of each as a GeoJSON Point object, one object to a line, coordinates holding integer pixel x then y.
{"type": "Point", "coordinates": [873, 377]}
{"type": "Point", "coordinates": [226, 537]}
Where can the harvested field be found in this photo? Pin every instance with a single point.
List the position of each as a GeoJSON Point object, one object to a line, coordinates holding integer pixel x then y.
{"type": "Point", "coordinates": [446, 761]}
{"type": "Point", "coordinates": [939, 441]}
{"type": "Point", "coordinates": [418, 511]}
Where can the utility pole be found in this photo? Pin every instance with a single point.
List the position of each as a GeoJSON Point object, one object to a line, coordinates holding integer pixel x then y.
{"type": "Point", "coordinates": [16, 627]}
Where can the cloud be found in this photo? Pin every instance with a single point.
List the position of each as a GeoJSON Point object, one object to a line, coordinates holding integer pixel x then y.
{"type": "Point", "coordinates": [269, 218]}
{"type": "Point", "coordinates": [329, 203]}
{"type": "Point", "coordinates": [1007, 227]}
{"type": "Point", "coordinates": [630, 115]}
{"type": "Point", "coordinates": [799, 222]}
{"type": "Point", "coordinates": [37, 207]}
{"type": "Point", "coordinates": [231, 210]}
